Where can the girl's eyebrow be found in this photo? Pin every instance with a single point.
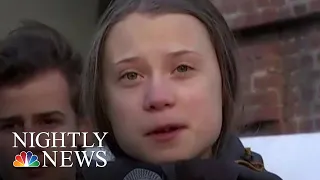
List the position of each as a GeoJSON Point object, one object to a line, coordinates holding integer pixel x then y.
{"type": "Point", "coordinates": [173, 54]}
{"type": "Point", "coordinates": [128, 60]}
{"type": "Point", "coordinates": [178, 53]}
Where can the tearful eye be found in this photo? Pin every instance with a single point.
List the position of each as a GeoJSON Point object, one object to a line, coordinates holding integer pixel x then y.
{"type": "Point", "coordinates": [131, 75]}
{"type": "Point", "coordinates": [130, 79]}
{"type": "Point", "coordinates": [183, 68]}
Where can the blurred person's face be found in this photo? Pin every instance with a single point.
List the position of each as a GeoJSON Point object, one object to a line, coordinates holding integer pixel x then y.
{"type": "Point", "coordinates": [41, 104]}
{"type": "Point", "coordinates": [163, 87]}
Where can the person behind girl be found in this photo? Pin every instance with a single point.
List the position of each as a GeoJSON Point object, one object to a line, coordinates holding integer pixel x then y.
{"type": "Point", "coordinates": [161, 78]}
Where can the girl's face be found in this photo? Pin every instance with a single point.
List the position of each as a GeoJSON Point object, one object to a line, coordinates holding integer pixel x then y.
{"type": "Point", "coordinates": [163, 87]}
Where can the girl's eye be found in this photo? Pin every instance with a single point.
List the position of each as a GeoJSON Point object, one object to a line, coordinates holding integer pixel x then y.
{"type": "Point", "coordinates": [130, 76]}
{"type": "Point", "coordinates": [183, 68]}
{"type": "Point", "coordinates": [130, 79]}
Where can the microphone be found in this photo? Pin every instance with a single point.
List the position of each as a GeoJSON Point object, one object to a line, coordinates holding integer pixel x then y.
{"type": "Point", "coordinates": [124, 170]}
{"type": "Point", "coordinates": [142, 174]}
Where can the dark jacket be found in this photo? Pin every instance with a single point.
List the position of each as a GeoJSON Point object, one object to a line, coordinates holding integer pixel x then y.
{"type": "Point", "coordinates": [235, 163]}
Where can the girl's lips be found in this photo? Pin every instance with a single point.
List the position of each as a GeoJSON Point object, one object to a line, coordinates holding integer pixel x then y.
{"type": "Point", "coordinates": [166, 133]}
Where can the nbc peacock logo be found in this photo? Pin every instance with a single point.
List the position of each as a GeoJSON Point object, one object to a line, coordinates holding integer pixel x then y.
{"type": "Point", "coordinates": [26, 160]}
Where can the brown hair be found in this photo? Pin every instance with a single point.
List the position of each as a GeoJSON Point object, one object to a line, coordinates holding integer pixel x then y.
{"type": "Point", "coordinates": [34, 48]}
{"type": "Point", "coordinates": [221, 37]}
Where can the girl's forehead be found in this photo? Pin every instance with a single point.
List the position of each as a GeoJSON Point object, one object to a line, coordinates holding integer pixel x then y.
{"type": "Point", "coordinates": [141, 34]}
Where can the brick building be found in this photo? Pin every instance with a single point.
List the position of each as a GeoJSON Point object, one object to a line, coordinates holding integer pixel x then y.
{"type": "Point", "coordinates": [279, 63]}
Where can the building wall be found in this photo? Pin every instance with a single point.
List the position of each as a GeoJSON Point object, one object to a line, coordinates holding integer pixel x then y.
{"type": "Point", "coordinates": [74, 18]}
{"type": "Point", "coordinates": [246, 13]}
{"type": "Point", "coordinates": [279, 46]}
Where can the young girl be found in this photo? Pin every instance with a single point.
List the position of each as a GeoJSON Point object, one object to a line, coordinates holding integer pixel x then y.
{"type": "Point", "coordinates": [161, 79]}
